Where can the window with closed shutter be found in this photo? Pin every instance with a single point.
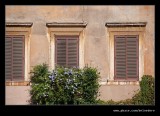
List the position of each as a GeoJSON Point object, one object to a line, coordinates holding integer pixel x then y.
{"type": "Point", "coordinates": [126, 57]}
{"type": "Point", "coordinates": [14, 58]}
{"type": "Point", "coordinates": [67, 51]}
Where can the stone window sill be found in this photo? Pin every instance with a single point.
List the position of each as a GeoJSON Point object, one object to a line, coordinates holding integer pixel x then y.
{"type": "Point", "coordinates": [114, 82]}
{"type": "Point", "coordinates": [14, 83]}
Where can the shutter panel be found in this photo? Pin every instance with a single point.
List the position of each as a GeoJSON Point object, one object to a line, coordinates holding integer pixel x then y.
{"type": "Point", "coordinates": [18, 55]}
{"type": "Point", "coordinates": [126, 57]}
{"type": "Point", "coordinates": [72, 52]}
{"type": "Point", "coordinates": [120, 57]}
{"type": "Point", "coordinates": [61, 52]}
{"type": "Point", "coordinates": [132, 57]}
{"type": "Point", "coordinates": [67, 51]}
{"type": "Point", "coordinates": [8, 58]}
{"type": "Point", "coordinates": [14, 58]}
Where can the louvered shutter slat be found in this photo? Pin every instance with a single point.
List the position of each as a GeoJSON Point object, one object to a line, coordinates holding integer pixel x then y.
{"type": "Point", "coordinates": [120, 57]}
{"type": "Point", "coordinates": [18, 49]}
{"type": "Point", "coordinates": [8, 58]}
{"type": "Point", "coordinates": [132, 55]}
{"type": "Point", "coordinates": [61, 52]}
{"type": "Point", "coordinates": [72, 52]}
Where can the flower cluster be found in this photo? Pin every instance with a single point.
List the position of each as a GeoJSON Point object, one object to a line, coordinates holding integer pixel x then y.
{"type": "Point", "coordinates": [72, 83]}
{"type": "Point", "coordinates": [68, 72]}
{"type": "Point", "coordinates": [53, 76]}
{"type": "Point", "coordinates": [71, 87]}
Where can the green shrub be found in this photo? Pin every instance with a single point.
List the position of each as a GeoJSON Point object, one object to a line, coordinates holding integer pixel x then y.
{"type": "Point", "coordinates": [41, 92]}
{"type": "Point", "coordinates": [64, 85]}
{"type": "Point", "coordinates": [146, 94]}
{"type": "Point", "coordinates": [90, 84]}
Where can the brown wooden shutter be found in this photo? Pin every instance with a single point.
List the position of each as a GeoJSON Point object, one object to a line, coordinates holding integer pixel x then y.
{"type": "Point", "coordinates": [120, 57]}
{"type": "Point", "coordinates": [126, 57]}
{"type": "Point", "coordinates": [132, 57]}
{"type": "Point", "coordinates": [61, 52]}
{"type": "Point", "coordinates": [67, 51]}
{"type": "Point", "coordinates": [14, 61]}
{"type": "Point", "coordinates": [18, 58]}
{"type": "Point", "coordinates": [8, 58]}
{"type": "Point", "coordinates": [72, 52]}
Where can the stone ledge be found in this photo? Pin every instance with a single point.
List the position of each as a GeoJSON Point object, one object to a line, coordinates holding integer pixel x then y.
{"type": "Point", "coordinates": [66, 24]}
{"type": "Point", "coordinates": [110, 82]}
{"type": "Point", "coordinates": [126, 24]}
{"type": "Point", "coordinates": [21, 83]}
{"type": "Point", "coordinates": [18, 24]}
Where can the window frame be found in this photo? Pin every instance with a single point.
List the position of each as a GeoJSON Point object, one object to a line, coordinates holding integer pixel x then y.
{"type": "Point", "coordinates": [21, 29]}
{"type": "Point", "coordinates": [67, 29]}
{"type": "Point", "coordinates": [127, 28]}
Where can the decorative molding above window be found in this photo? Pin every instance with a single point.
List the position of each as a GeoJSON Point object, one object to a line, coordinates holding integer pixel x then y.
{"type": "Point", "coordinates": [18, 24]}
{"type": "Point", "coordinates": [126, 24]}
{"type": "Point", "coordinates": [66, 24]}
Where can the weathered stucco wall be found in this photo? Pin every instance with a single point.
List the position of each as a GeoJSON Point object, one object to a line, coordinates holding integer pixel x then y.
{"type": "Point", "coordinates": [96, 52]}
{"type": "Point", "coordinates": [96, 47]}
